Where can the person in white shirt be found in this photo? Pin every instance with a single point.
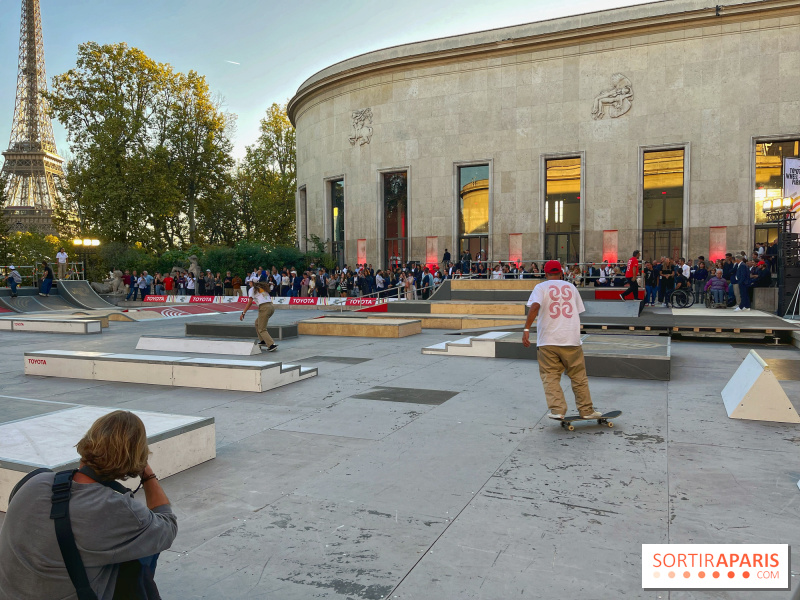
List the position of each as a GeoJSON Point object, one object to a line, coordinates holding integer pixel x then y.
{"type": "Point", "coordinates": [263, 300]}
{"type": "Point", "coordinates": [61, 258]}
{"type": "Point", "coordinates": [558, 305]}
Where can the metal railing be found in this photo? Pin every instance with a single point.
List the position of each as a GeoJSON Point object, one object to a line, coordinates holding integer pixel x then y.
{"type": "Point", "coordinates": [33, 273]}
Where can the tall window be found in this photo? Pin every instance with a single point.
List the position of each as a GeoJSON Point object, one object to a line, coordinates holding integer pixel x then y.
{"type": "Point", "coordinates": [302, 219]}
{"type": "Point", "coordinates": [769, 182]}
{"type": "Point", "coordinates": [395, 217]}
{"type": "Point", "coordinates": [337, 219]}
{"type": "Point", "coordinates": [562, 209]}
{"type": "Point", "coordinates": [662, 212]}
{"type": "Point", "coordinates": [473, 213]}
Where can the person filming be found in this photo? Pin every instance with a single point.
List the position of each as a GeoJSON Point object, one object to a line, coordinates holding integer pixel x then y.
{"type": "Point", "coordinates": [86, 519]}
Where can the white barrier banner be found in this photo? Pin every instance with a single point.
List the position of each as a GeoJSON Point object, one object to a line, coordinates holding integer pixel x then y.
{"type": "Point", "coordinates": [715, 566]}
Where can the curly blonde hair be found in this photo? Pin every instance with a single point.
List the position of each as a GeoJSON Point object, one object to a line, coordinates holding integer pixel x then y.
{"type": "Point", "coordinates": [115, 446]}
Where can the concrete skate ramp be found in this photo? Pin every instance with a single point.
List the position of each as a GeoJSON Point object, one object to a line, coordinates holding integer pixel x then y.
{"type": "Point", "coordinates": [25, 304]}
{"type": "Point", "coordinates": [81, 294]}
{"type": "Point", "coordinates": [55, 303]}
{"type": "Point", "coordinates": [610, 308]}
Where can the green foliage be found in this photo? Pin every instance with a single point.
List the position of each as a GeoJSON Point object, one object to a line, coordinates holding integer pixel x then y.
{"type": "Point", "coordinates": [265, 182]}
{"type": "Point", "coordinates": [30, 248]}
{"type": "Point", "coordinates": [150, 147]}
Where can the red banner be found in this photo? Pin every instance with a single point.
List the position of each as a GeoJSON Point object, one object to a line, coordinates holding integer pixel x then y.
{"type": "Point", "coordinates": [304, 301]}
{"type": "Point", "coordinates": [361, 302]}
{"type": "Point", "coordinates": [201, 299]}
{"type": "Point", "coordinates": [243, 299]}
{"type": "Point", "coordinates": [155, 298]}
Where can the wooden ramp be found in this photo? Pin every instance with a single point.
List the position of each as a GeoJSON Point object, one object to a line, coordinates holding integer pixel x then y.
{"type": "Point", "coordinates": [379, 327]}
{"type": "Point", "coordinates": [177, 442]}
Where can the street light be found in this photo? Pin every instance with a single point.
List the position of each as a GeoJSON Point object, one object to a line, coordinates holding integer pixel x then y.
{"type": "Point", "coordinates": [85, 245]}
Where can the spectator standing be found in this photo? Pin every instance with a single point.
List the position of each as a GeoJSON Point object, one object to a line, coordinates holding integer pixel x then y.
{"type": "Point", "coordinates": [169, 284]}
{"type": "Point", "coordinates": [227, 284]}
{"type": "Point", "coordinates": [61, 258]}
{"type": "Point", "coordinates": [190, 284]}
{"type": "Point", "coordinates": [650, 284]}
{"type": "Point", "coordinates": [218, 284]}
{"type": "Point", "coordinates": [743, 282]}
{"type": "Point", "coordinates": [134, 286]}
{"type": "Point", "coordinates": [699, 278]}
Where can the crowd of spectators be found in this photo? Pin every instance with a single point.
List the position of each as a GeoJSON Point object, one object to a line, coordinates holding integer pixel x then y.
{"type": "Point", "coordinates": [719, 279]}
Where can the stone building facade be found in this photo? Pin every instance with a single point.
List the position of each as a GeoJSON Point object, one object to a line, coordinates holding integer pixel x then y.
{"type": "Point", "coordinates": [659, 127]}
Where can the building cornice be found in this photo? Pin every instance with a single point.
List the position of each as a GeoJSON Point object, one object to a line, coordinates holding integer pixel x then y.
{"type": "Point", "coordinates": [638, 20]}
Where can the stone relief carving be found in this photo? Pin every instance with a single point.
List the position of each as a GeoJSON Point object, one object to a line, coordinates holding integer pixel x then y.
{"type": "Point", "coordinates": [362, 127]}
{"type": "Point", "coordinates": [616, 101]}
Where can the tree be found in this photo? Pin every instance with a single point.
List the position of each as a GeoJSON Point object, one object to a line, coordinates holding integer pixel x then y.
{"type": "Point", "coordinates": [149, 146]}
{"type": "Point", "coordinates": [268, 178]}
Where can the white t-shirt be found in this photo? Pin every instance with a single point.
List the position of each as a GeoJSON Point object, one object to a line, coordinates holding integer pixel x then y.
{"type": "Point", "coordinates": [261, 298]}
{"type": "Point", "coordinates": [686, 271]}
{"type": "Point", "coordinates": [560, 304]}
{"type": "Point", "coordinates": [62, 257]}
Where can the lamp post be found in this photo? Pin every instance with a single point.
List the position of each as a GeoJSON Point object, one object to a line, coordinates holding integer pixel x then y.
{"type": "Point", "coordinates": [85, 246]}
{"type": "Point", "coordinates": [780, 211]}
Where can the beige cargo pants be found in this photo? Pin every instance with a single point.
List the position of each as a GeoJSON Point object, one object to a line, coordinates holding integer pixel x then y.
{"type": "Point", "coordinates": [264, 313]}
{"type": "Point", "coordinates": [553, 361]}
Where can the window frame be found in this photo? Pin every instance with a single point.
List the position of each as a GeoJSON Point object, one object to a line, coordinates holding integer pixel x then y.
{"type": "Point", "coordinates": [457, 204]}
{"type": "Point", "coordinates": [687, 158]}
{"type": "Point", "coordinates": [381, 220]}
{"type": "Point", "coordinates": [754, 141]}
{"type": "Point", "coordinates": [328, 216]}
{"type": "Point", "coordinates": [543, 158]}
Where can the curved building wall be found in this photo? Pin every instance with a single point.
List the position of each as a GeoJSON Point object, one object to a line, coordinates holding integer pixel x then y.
{"type": "Point", "coordinates": [661, 124]}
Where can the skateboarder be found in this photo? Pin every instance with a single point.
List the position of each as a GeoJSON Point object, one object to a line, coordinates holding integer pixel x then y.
{"type": "Point", "coordinates": [558, 341]}
{"type": "Point", "coordinates": [263, 300]}
{"type": "Point", "coordinates": [631, 273]}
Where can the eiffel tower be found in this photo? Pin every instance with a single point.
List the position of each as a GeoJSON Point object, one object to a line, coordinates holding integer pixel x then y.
{"type": "Point", "coordinates": [31, 161]}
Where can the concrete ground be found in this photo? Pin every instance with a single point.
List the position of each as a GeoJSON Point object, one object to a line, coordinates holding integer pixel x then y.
{"type": "Point", "coordinates": [363, 483]}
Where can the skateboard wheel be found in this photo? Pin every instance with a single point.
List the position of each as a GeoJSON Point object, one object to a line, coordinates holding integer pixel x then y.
{"type": "Point", "coordinates": [610, 424]}
{"type": "Point", "coordinates": [571, 428]}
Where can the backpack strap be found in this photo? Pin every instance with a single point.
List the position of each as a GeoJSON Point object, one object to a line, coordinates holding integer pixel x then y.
{"type": "Point", "coordinates": [59, 512]}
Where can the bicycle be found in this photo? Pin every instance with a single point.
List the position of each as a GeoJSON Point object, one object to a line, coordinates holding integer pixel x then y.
{"type": "Point", "coordinates": [681, 298]}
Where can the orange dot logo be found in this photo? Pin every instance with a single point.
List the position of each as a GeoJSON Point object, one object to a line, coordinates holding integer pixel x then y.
{"type": "Point", "coordinates": [656, 575]}
{"type": "Point", "coordinates": [672, 574]}
{"type": "Point", "coordinates": [702, 574]}
{"type": "Point", "coordinates": [746, 574]}
{"type": "Point", "coordinates": [731, 574]}
{"type": "Point", "coordinates": [716, 574]}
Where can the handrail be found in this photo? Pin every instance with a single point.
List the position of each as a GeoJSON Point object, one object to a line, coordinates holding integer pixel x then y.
{"type": "Point", "coordinates": [76, 270]}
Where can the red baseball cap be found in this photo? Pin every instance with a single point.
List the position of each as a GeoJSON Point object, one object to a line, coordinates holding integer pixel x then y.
{"type": "Point", "coordinates": [761, 263]}
{"type": "Point", "coordinates": [552, 266]}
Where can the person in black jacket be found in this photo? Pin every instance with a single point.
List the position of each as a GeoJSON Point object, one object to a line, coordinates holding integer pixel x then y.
{"type": "Point", "coordinates": [47, 279]}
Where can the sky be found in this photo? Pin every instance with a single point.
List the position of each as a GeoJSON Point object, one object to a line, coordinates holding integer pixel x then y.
{"type": "Point", "coordinates": [278, 44]}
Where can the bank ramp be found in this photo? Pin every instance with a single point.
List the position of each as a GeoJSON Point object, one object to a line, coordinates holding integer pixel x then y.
{"type": "Point", "coordinates": [81, 294]}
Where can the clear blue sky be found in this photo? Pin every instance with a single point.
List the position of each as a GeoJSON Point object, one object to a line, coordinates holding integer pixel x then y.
{"type": "Point", "coordinates": [279, 44]}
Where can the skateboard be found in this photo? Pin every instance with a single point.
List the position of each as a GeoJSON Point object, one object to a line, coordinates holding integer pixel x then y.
{"type": "Point", "coordinates": [567, 421]}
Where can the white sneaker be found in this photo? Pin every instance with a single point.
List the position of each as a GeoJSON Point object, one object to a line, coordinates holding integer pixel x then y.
{"type": "Point", "coordinates": [592, 415]}
{"type": "Point", "coordinates": [737, 309]}
{"type": "Point", "coordinates": [744, 309]}
{"type": "Point", "coordinates": [555, 416]}
{"type": "Point", "coordinates": [665, 305]}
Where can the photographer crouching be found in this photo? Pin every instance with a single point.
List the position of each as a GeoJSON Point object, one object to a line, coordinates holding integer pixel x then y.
{"type": "Point", "coordinates": [79, 533]}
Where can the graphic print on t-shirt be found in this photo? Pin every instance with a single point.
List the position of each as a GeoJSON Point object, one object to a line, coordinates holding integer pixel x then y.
{"type": "Point", "coordinates": [560, 302]}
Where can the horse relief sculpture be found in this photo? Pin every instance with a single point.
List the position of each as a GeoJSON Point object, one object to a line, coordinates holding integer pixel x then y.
{"type": "Point", "coordinates": [362, 127]}
{"type": "Point", "coordinates": [616, 101]}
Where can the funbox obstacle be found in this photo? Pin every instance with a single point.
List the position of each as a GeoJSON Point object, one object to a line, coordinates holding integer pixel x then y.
{"type": "Point", "coordinates": [754, 393]}
{"type": "Point", "coordinates": [178, 371]}
{"type": "Point", "coordinates": [177, 442]}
